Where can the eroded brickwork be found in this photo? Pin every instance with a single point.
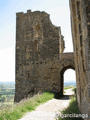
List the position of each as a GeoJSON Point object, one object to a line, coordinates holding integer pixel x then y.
{"type": "Point", "coordinates": [80, 16]}
{"type": "Point", "coordinates": [39, 55]}
{"type": "Point", "coordinates": [38, 47]}
{"type": "Point", "coordinates": [40, 61]}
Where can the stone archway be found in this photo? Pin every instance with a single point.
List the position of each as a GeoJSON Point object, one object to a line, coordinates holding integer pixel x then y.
{"type": "Point", "coordinates": [66, 62]}
{"type": "Point", "coordinates": [62, 78]}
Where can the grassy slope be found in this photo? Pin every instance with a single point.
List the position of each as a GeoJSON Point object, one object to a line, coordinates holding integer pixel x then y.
{"type": "Point", "coordinates": [20, 109]}
{"type": "Point", "coordinates": [73, 108]}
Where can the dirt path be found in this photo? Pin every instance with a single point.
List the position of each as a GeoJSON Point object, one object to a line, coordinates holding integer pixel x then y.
{"type": "Point", "coordinates": [48, 110]}
{"type": "Point", "coordinates": [69, 92]}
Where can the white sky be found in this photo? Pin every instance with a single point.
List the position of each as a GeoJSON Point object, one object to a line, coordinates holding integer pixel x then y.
{"type": "Point", "coordinates": [59, 14]}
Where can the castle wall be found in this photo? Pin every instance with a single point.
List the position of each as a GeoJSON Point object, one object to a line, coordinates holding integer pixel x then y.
{"type": "Point", "coordinates": [40, 61]}
{"type": "Point", "coordinates": [80, 18]}
{"type": "Point", "coordinates": [38, 47]}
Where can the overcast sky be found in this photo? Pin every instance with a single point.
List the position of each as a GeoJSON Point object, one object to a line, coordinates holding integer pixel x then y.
{"type": "Point", "coordinates": [59, 14]}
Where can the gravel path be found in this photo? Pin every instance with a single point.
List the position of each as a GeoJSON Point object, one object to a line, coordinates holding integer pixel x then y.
{"type": "Point", "coordinates": [69, 92]}
{"type": "Point", "coordinates": [48, 110]}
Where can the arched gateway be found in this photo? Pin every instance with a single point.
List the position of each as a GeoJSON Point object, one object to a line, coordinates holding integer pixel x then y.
{"type": "Point", "coordinates": [40, 61]}
{"type": "Point", "coordinates": [66, 62]}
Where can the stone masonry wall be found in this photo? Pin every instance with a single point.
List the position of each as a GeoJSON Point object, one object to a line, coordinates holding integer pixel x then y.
{"type": "Point", "coordinates": [40, 62]}
{"type": "Point", "coordinates": [38, 47]}
{"type": "Point", "coordinates": [80, 17]}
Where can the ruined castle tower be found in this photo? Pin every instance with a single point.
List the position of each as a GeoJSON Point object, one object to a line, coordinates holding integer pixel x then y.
{"type": "Point", "coordinates": [40, 61]}
{"type": "Point", "coordinates": [80, 17]}
{"type": "Point", "coordinates": [38, 47]}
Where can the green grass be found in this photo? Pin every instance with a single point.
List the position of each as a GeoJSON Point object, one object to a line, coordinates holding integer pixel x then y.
{"type": "Point", "coordinates": [74, 89]}
{"type": "Point", "coordinates": [18, 110]}
{"type": "Point", "coordinates": [72, 109]}
{"type": "Point", "coordinates": [68, 87]}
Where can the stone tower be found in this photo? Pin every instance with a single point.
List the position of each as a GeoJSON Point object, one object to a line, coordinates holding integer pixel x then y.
{"type": "Point", "coordinates": [38, 47]}
{"type": "Point", "coordinates": [40, 61]}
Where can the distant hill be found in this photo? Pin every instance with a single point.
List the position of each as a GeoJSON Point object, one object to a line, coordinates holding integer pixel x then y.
{"type": "Point", "coordinates": [12, 84]}
{"type": "Point", "coordinates": [69, 83]}
{"type": "Point", "coordinates": [7, 84]}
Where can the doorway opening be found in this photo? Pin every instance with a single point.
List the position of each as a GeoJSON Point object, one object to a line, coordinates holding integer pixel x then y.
{"type": "Point", "coordinates": [69, 82]}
